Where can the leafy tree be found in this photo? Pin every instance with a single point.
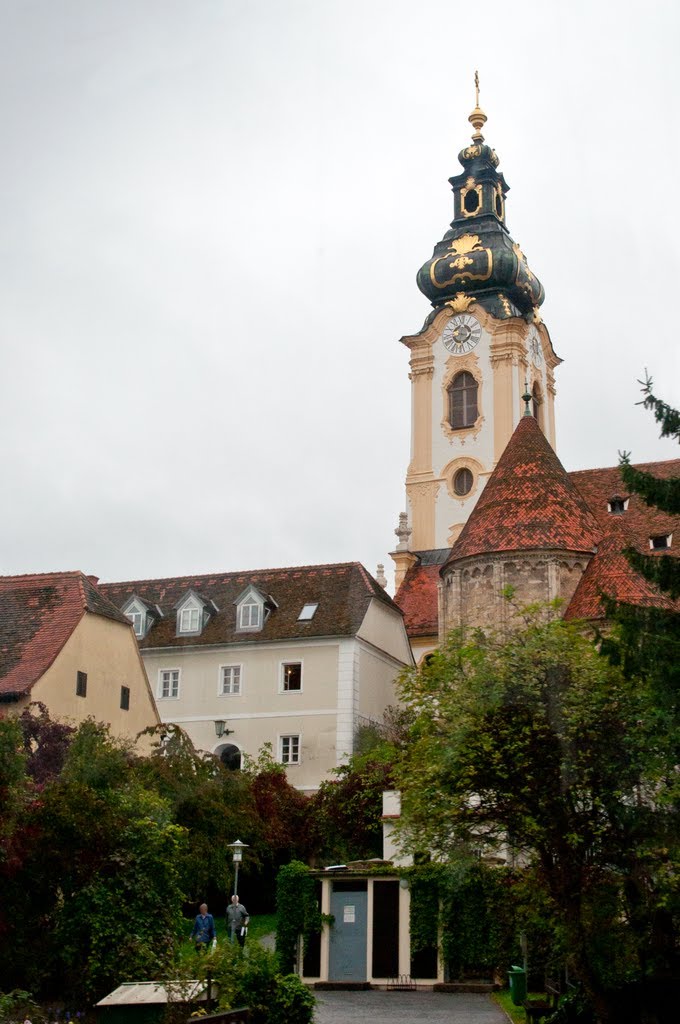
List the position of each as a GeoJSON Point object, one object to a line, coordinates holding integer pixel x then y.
{"type": "Point", "coordinates": [46, 741]}
{"type": "Point", "coordinates": [535, 737]}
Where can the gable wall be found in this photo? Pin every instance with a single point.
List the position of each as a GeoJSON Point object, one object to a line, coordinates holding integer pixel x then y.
{"type": "Point", "coordinates": [107, 651]}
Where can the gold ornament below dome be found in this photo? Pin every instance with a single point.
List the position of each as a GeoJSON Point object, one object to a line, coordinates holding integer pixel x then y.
{"type": "Point", "coordinates": [464, 244]}
{"type": "Point", "coordinates": [461, 302]}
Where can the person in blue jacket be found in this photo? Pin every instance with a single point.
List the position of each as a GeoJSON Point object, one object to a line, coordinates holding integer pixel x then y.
{"type": "Point", "coordinates": [203, 931]}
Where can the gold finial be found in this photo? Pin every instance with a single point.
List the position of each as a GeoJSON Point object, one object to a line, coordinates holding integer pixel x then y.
{"type": "Point", "coordinates": [477, 118]}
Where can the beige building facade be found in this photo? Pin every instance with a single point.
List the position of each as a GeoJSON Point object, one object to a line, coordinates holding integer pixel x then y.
{"type": "Point", "coordinates": [298, 659]}
{"type": "Point", "coordinates": [67, 647]}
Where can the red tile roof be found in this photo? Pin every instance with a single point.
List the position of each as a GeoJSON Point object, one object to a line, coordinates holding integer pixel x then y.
{"type": "Point", "coordinates": [528, 503]}
{"type": "Point", "coordinates": [343, 593]}
{"type": "Point", "coordinates": [640, 521]}
{"type": "Point", "coordinates": [609, 572]}
{"type": "Point", "coordinates": [418, 599]}
{"type": "Point", "coordinates": [38, 614]}
{"type": "Point", "coordinates": [531, 502]}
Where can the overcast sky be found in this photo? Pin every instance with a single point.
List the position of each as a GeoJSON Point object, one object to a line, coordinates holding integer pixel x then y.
{"type": "Point", "coordinates": [211, 217]}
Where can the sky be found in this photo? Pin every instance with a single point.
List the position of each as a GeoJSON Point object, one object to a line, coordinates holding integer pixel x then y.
{"type": "Point", "coordinates": [212, 213]}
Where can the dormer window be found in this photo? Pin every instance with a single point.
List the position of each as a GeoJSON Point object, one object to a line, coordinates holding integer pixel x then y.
{"type": "Point", "coordinates": [307, 613]}
{"type": "Point", "coordinates": [136, 611]}
{"type": "Point", "coordinates": [617, 505]}
{"type": "Point", "coordinates": [253, 608]}
{"type": "Point", "coordinates": [193, 612]}
{"type": "Point", "coordinates": [661, 541]}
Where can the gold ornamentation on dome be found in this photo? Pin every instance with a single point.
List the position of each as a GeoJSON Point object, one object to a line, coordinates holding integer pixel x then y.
{"type": "Point", "coordinates": [470, 182]}
{"type": "Point", "coordinates": [470, 152]}
{"type": "Point", "coordinates": [465, 244]}
{"type": "Point", "coordinates": [538, 319]}
{"type": "Point", "coordinates": [506, 305]}
{"type": "Point", "coordinates": [461, 262]}
{"type": "Point", "coordinates": [518, 252]}
{"type": "Point", "coordinates": [460, 302]}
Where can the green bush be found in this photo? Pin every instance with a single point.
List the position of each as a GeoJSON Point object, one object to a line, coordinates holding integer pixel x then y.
{"type": "Point", "coordinates": [17, 1006]}
{"type": "Point", "coordinates": [251, 978]}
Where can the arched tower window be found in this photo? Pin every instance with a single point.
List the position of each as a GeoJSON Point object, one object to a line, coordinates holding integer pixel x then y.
{"type": "Point", "coordinates": [536, 403]}
{"type": "Point", "coordinates": [462, 400]}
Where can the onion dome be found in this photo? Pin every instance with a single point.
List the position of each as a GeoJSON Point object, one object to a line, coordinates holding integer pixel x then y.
{"type": "Point", "coordinates": [477, 260]}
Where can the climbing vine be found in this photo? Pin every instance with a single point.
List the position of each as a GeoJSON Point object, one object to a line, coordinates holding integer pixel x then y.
{"type": "Point", "coordinates": [424, 883]}
{"type": "Point", "coordinates": [298, 911]}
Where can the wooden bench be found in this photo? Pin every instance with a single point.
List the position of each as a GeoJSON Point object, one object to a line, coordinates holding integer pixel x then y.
{"type": "Point", "coordinates": [537, 1009]}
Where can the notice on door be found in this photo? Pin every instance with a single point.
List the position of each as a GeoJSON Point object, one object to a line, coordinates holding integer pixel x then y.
{"type": "Point", "coordinates": [349, 914]}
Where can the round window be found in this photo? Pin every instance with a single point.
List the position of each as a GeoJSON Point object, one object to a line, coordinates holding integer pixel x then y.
{"type": "Point", "coordinates": [462, 482]}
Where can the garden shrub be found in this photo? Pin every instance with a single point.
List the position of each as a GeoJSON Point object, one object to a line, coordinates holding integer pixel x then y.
{"type": "Point", "coordinates": [252, 978]}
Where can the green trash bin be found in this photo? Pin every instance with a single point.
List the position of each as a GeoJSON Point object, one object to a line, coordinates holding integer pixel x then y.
{"type": "Point", "coordinates": [517, 977]}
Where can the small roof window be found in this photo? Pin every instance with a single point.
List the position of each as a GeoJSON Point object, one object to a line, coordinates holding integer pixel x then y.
{"type": "Point", "coordinates": [617, 505]}
{"type": "Point", "coordinates": [661, 541]}
{"type": "Point", "coordinates": [307, 612]}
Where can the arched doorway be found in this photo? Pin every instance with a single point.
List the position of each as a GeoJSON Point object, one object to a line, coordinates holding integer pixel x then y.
{"type": "Point", "coordinates": [230, 756]}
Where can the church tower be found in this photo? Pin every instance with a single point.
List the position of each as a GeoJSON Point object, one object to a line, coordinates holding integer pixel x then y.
{"type": "Point", "coordinates": [481, 347]}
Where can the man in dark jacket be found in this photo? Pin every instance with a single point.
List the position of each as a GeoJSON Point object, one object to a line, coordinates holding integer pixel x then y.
{"type": "Point", "coordinates": [204, 928]}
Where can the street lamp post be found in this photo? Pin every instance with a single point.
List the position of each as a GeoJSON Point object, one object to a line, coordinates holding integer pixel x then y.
{"type": "Point", "coordinates": [238, 847]}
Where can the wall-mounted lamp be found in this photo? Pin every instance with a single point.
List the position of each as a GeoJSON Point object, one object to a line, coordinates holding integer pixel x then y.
{"type": "Point", "coordinates": [220, 729]}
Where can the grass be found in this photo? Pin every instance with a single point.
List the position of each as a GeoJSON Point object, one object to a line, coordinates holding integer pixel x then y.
{"type": "Point", "coordinates": [515, 1013]}
{"type": "Point", "coordinates": [260, 925]}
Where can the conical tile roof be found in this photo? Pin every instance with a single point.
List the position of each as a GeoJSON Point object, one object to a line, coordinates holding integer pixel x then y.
{"type": "Point", "coordinates": [528, 503]}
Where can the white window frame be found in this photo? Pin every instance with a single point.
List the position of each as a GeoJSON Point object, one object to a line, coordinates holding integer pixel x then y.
{"type": "Point", "coordinates": [189, 610]}
{"type": "Point", "coordinates": [669, 541]}
{"type": "Point", "coordinates": [282, 669]}
{"type": "Point", "coordinates": [136, 611]}
{"type": "Point", "coordinates": [170, 695]}
{"type": "Point", "coordinates": [221, 692]}
{"type": "Point", "coordinates": [308, 611]}
{"type": "Point", "coordinates": [285, 739]}
{"type": "Point", "coordinates": [250, 605]}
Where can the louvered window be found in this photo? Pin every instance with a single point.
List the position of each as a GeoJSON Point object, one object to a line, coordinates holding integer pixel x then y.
{"type": "Point", "coordinates": [462, 400]}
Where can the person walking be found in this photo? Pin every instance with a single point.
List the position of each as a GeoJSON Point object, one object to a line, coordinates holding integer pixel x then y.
{"type": "Point", "coordinates": [237, 921]}
{"type": "Point", "coordinates": [203, 931]}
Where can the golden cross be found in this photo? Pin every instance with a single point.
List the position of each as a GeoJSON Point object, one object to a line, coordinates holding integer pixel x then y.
{"type": "Point", "coordinates": [476, 88]}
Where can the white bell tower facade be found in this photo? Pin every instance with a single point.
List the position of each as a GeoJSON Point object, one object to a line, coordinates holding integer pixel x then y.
{"type": "Point", "coordinates": [481, 350]}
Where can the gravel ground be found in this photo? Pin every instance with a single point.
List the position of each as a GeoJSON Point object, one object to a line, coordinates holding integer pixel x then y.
{"type": "Point", "coordinates": [407, 1008]}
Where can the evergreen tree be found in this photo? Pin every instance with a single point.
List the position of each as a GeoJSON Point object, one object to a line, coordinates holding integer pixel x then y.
{"type": "Point", "coordinates": [663, 570]}
{"type": "Point", "coordinates": [647, 641]}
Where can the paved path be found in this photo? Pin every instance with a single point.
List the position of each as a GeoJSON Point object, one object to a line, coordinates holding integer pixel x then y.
{"type": "Point", "coordinates": [406, 1008]}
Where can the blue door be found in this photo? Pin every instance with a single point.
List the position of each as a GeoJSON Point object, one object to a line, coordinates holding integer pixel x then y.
{"type": "Point", "coordinates": [348, 936]}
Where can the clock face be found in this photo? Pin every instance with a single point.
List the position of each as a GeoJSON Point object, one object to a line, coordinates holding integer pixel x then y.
{"type": "Point", "coordinates": [535, 350]}
{"type": "Point", "coordinates": [461, 334]}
